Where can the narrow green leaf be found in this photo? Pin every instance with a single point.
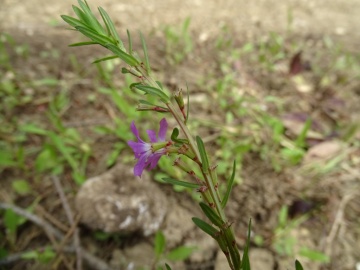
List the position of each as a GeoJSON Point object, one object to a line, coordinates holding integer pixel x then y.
{"type": "Point", "coordinates": [167, 267]}
{"type": "Point", "coordinates": [146, 55]}
{"type": "Point", "coordinates": [180, 253]}
{"type": "Point", "coordinates": [230, 183]}
{"type": "Point", "coordinates": [188, 104]}
{"type": "Point", "coordinates": [105, 59]}
{"type": "Point", "coordinates": [301, 139]}
{"type": "Point", "coordinates": [83, 44]}
{"type": "Point", "coordinates": [298, 265]}
{"type": "Point", "coordinates": [180, 183]}
{"type": "Point", "coordinates": [72, 21]}
{"type": "Point", "coordinates": [210, 213]}
{"type": "Point", "coordinates": [111, 27]}
{"type": "Point", "coordinates": [127, 58]}
{"type": "Point", "coordinates": [245, 259]}
{"type": "Point", "coordinates": [207, 228]}
{"type": "Point", "coordinates": [130, 42]}
{"type": "Point", "coordinates": [33, 128]}
{"type": "Point", "coordinates": [21, 187]}
{"type": "Point", "coordinates": [203, 155]}
{"type": "Point", "coordinates": [160, 85]}
{"type": "Point", "coordinates": [90, 17]}
{"type": "Point", "coordinates": [81, 15]}
{"type": "Point", "coordinates": [59, 144]}
{"type": "Point", "coordinates": [153, 91]}
{"type": "Point", "coordinates": [101, 39]}
{"type": "Point", "coordinates": [159, 244]}
{"type": "Point", "coordinates": [174, 136]}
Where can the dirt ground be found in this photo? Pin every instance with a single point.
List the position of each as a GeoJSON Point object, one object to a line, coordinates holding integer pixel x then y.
{"type": "Point", "coordinates": [336, 230]}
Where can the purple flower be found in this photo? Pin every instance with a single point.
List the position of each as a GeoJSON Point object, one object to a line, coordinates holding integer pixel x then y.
{"type": "Point", "coordinates": [148, 154]}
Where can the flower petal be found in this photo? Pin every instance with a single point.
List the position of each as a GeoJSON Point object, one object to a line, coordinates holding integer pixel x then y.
{"type": "Point", "coordinates": [135, 131]}
{"type": "Point", "coordinates": [163, 129]}
{"type": "Point", "coordinates": [139, 148]}
{"type": "Point", "coordinates": [152, 135]}
{"type": "Point", "coordinates": [140, 165]}
{"type": "Point", "coordinates": [153, 160]}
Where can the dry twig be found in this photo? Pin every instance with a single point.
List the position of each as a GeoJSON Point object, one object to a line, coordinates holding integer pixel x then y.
{"type": "Point", "coordinates": [71, 220]}
{"type": "Point", "coordinates": [92, 261]}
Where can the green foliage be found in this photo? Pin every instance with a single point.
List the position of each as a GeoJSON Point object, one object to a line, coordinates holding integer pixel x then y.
{"type": "Point", "coordinates": [44, 256]}
{"type": "Point", "coordinates": [179, 43]}
{"type": "Point", "coordinates": [161, 254]}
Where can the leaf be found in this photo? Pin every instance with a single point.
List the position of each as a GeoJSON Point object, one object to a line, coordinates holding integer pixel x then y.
{"type": "Point", "coordinates": [245, 259]}
{"type": "Point", "coordinates": [211, 214]}
{"type": "Point", "coordinates": [105, 59]}
{"type": "Point", "coordinates": [180, 183]}
{"type": "Point", "coordinates": [188, 103]}
{"type": "Point", "coordinates": [90, 18]}
{"type": "Point", "coordinates": [203, 155]}
{"type": "Point", "coordinates": [78, 44]}
{"type": "Point", "coordinates": [301, 139]}
{"type": "Point", "coordinates": [298, 265]}
{"type": "Point", "coordinates": [72, 21]}
{"type": "Point", "coordinates": [230, 183]}
{"type": "Point", "coordinates": [174, 136]}
{"type": "Point", "coordinates": [59, 144]}
{"type": "Point", "coordinates": [314, 255]}
{"type": "Point", "coordinates": [81, 15]}
{"type": "Point", "coordinates": [153, 91]}
{"type": "Point", "coordinates": [11, 220]}
{"type": "Point", "coordinates": [130, 42]}
{"type": "Point", "coordinates": [32, 128]}
{"type": "Point", "coordinates": [47, 159]}
{"type": "Point", "coordinates": [111, 28]}
{"type": "Point", "coordinates": [159, 244]}
{"type": "Point", "coordinates": [21, 187]}
{"type": "Point", "coordinates": [95, 36]}
{"type": "Point", "coordinates": [146, 55]}
{"type": "Point", "coordinates": [167, 267]}
{"type": "Point", "coordinates": [181, 253]}
{"type": "Point", "coordinates": [207, 228]}
{"type": "Point", "coordinates": [127, 58]}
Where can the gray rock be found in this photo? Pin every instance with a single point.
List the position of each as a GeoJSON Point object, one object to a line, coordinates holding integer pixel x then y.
{"type": "Point", "coordinates": [119, 202]}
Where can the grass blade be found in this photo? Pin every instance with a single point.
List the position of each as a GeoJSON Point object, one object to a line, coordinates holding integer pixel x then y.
{"type": "Point", "coordinates": [230, 184]}
{"type": "Point", "coordinates": [146, 55]}
{"type": "Point", "coordinates": [245, 259]}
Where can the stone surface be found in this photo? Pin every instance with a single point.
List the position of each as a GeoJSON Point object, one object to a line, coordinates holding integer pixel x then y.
{"type": "Point", "coordinates": [119, 202]}
{"type": "Point", "coordinates": [261, 259]}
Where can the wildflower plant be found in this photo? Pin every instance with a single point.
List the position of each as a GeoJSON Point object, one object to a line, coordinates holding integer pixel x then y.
{"type": "Point", "coordinates": [173, 105]}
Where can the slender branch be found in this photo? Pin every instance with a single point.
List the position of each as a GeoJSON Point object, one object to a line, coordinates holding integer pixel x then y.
{"type": "Point", "coordinates": [71, 220]}
{"type": "Point", "coordinates": [93, 262]}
